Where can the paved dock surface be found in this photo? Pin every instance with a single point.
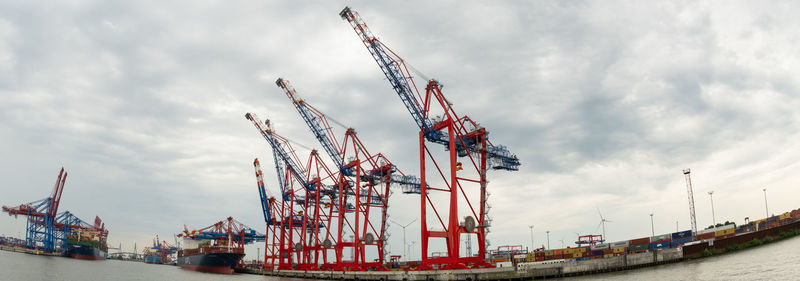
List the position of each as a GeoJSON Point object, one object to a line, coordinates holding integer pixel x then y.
{"type": "Point", "coordinates": [567, 268]}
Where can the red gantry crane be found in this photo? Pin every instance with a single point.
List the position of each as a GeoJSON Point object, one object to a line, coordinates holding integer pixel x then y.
{"type": "Point", "coordinates": [461, 170]}
{"type": "Point", "coordinates": [274, 233]}
{"type": "Point", "coordinates": [364, 175]}
{"type": "Point", "coordinates": [310, 205]}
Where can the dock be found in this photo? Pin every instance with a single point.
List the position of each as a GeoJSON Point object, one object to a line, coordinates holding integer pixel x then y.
{"type": "Point", "coordinates": [28, 251]}
{"type": "Point", "coordinates": [554, 270]}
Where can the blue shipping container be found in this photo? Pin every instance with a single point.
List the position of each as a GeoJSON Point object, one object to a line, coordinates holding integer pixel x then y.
{"type": "Point", "coordinates": [682, 234]}
{"type": "Point", "coordinates": [659, 245]}
{"type": "Point", "coordinates": [597, 253]}
{"type": "Point", "coordinates": [681, 241]}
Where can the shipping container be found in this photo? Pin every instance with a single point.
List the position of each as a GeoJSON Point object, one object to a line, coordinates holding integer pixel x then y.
{"type": "Point", "coordinates": [580, 250]}
{"type": "Point", "coordinates": [659, 245]}
{"type": "Point", "coordinates": [558, 251]}
{"type": "Point", "coordinates": [608, 255]}
{"type": "Point", "coordinates": [577, 255]}
{"type": "Point", "coordinates": [639, 247]}
{"type": "Point", "coordinates": [662, 237]}
{"type": "Point", "coordinates": [620, 244]}
{"type": "Point", "coordinates": [569, 251]}
{"type": "Point", "coordinates": [599, 246]}
{"type": "Point", "coordinates": [620, 250]}
{"type": "Point", "coordinates": [597, 253]}
{"type": "Point", "coordinates": [679, 242]}
{"type": "Point", "coordinates": [704, 236]}
{"type": "Point", "coordinates": [682, 234]}
{"type": "Point", "coordinates": [640, 241]}
{"type": "Point", "coordinates": [539, 258]}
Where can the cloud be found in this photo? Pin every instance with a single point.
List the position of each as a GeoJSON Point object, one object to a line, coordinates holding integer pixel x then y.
{"type": "Point", "coordinates": [604, 104]}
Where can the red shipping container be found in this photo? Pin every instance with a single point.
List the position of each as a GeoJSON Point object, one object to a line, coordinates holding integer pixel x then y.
{"type": "Point", "coordinates": [705, 236]}
{"type": "Point", "coordinates": [539, 258]}
{"type": "Point", "coordinates": [640, 241]}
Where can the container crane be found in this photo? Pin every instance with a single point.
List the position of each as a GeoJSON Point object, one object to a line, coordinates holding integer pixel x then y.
{"type": "Point", "coordinates": [47, 229]}
{"type": "Point", "coordinates": [274, 234]}
{"type": "Point", "coordinates": [362, 174]}
{"type": "Point", "coordinates": [462, 138]}
{"type": "Point", "coordinates": [311, 204]}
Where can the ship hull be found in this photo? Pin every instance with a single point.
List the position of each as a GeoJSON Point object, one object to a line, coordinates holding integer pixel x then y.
{"type": "Point", "coordinates": [152, 259]}
{"type": "Point", "coordinates": [83, 252]}
{"type": "Point", "coordinates": [211, 262]}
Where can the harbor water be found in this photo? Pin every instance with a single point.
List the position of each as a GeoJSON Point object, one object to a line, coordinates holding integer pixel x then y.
{"type": "Point", "coordinates": [775, 261]}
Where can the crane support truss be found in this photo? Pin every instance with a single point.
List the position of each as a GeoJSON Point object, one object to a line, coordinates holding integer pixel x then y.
{"type": "Point", "coordinates": [306, 240]}
{"type": "Point", "coordinates": [462, 137]}
{"type": "Point", "coordinates": [372, 173]}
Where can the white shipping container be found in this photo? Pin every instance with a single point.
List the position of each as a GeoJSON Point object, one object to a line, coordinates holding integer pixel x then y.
{"type": "Point", "coordinates": [621, 244]}
{"type": "Point", "coordinates": [599, 246]}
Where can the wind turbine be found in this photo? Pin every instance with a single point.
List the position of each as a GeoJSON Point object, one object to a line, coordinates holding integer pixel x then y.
{"type": "Point", "coordinates": [603, 221]}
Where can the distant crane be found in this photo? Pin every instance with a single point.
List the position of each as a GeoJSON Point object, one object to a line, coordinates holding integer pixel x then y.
{"type": "Point", "coordinates": [462, 138]}
{"type": "Point", "coordinates": [46, 228]}
{"type": "Point", "coordinates": [229, 230]}
{"type": "Point", "coordinates": [692, 217]}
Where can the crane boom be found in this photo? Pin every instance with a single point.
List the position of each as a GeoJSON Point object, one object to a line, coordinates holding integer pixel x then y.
{"type": "Point", "coordinates": [262, 192]}
{"type": "Point", "coordinates": [279, 146]}
{"type": "Point", "coordinates": [316, 121]}
{"type": "Point", "coordinates": [402, 82]}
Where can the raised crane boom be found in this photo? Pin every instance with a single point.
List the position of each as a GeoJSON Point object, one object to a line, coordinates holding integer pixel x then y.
{"type": "Point", "coordinates": [279, 146]}
{"type": "Point", "coordinates": [396, 71]}
{"type": "Point", "coordinates": [316, 121]}
{"type": "Point", "coordinates": [262, 192]}
{"type": "Point", "coordinates": [318, 124]}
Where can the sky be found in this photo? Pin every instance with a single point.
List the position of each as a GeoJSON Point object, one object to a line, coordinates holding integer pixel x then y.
{"type": "Point", "coordinates": [604, 102]}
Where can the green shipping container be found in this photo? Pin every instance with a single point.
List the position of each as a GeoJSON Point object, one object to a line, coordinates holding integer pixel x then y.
{"type": "Point", "coordinates": [637, 247]}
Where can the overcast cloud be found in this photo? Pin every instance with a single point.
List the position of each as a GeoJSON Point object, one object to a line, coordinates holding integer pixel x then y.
{"type": "Point", "coordinates": [604, 103]}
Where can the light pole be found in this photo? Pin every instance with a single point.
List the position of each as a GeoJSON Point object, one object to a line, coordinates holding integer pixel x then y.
{"type": "Point", "coordinates": [548, 239]}
{"type": "Point", "coordinates": [258, 255]}
{"type": "Point", "coordinates": [532, 245]}
{"type": "Point", "coordinates": [713, 217]}
{"type": "Point", "coordinates": [409, 247]}
{"type": "Point", "coordinates": [765, 202]}
{"type": "Point", "coordinates": [652, 228]}
{"type": "Point", "coordinates": [405, 255]}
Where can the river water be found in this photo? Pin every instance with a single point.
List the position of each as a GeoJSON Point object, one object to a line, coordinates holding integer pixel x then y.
{"type": "Point", "coordinates": [775, 261]}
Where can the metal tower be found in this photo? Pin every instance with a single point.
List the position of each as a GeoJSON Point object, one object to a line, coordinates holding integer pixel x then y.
{"type": "Point", "coordinates": [686, 173]}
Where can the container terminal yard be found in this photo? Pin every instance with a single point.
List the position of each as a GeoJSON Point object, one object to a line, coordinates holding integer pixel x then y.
{"type": "Point", "coordinates": [330, 221]}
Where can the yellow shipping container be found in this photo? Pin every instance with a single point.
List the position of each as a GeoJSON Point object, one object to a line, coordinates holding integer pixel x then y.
{"type": "Point", "coordinates": [619, 250]}
{"type": "Point", "coordinates": [608, 255]}
{"type": "Point", "coordinates": [577, 255]}
{"type": "Point", "coordinates": [580, 250]}
{"type": "Point", "coordinates": [548, 253]}
{"type": "Point", "coordinates": [558, 251]}
{"type": "Point", "coordinates": [569, 251]}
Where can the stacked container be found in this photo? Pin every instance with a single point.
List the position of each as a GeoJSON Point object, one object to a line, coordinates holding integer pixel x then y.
{"type": "Point", "coordinates": [638, 245]}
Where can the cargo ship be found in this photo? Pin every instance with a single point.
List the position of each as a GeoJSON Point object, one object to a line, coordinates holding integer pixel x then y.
{"type": "Point", "coordinates": [152, 256]}
{"type": "Point", "coordinates": [160, 253]}
{"type": "Point", "coordinates": [221, 257]}
{"type": "Point", "coordinates": [86, 245]}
